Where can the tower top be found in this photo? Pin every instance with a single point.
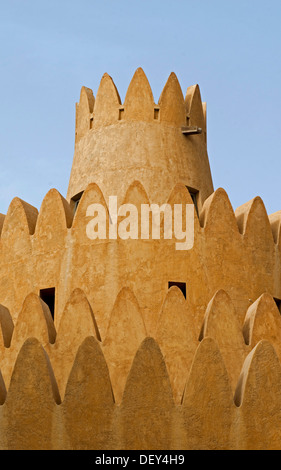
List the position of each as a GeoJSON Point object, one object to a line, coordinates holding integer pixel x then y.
{"type": "Point", "coordinates": [158, 144]}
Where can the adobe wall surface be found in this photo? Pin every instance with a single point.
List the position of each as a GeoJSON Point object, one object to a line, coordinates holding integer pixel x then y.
{"type": "Point", "coordinates": [155, 348]}
{"type": "Point", "coordinates": [238, 253]}
{"type": "Point", "coordinates": [128, 363]}
{"type": "Point", "coordinates": [117, 144]}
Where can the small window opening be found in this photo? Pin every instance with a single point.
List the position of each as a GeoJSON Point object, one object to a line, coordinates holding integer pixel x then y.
{"type": "Point", "coordinates": [156, 113]}
{"type": "Point", "coordinates": [91, 122]}
{"type": "Point", "coordinates": [48, 296]}
{"type": "Point", "coordinates": [194, 196]}
{"type": "Point", "coordinates": [121, 113]}
{"type": "Point", "coordinates": [75, 200]}
{"type": "Point", "coordinates": [180, 285]}
{"type": "Point", "coordinates": [278, 303]}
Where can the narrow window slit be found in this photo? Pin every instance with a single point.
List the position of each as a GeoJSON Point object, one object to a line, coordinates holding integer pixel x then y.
{"type": "Point", "coordinates": [121, 114]}
{"type": "Point", "coordinates": [156, 113]}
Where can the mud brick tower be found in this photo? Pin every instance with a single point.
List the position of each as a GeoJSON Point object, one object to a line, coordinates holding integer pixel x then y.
{"type": "Point", "coordinates": [131, 344]}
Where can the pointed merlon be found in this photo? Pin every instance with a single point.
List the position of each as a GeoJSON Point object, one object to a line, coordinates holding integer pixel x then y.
{"type": "Point", "coordinates": [258, 395]}
{"type": "Point", "coordinates": [194, 108]}
{"type": "Point", "coordinates": [139, 101]}
{"type": "Point", "coordinates": [180, 194]}
{"type": "Point", "coordinates": [171, 103]}
{"type": "Point", "coordinates": [260, 376]}
{"type": "Point", "coordinates": [84, 112]}
{"type": "Point", "coordinates": [77, 323]}
{"type": "Point", "coordinates": [91, 195]}
{"type": "Point", "coordinates": [217, 214]}
{"type": "Point", "coordinates": [136, 194]}
{"type": "Point", "coordinates": [34, 320]}
{"type": "Point", "coordinates": [33, 363]}
{"type": "Point", "coordinates": [207, 403]}
{"type": "Point", "coordinates": [147, 405]}
{"type": "Point", "coordinates": [107, 104]}
{"type": "Point", "coordinates": [55, 216]}
{"type": "Point", "coordinates": [263, 322]}
{"type": "Point", "coordinates": [20, 215]}
{"type": "Point", "coordinates": [251, 215]}
{"type": "Point", "coordinates": [91, 373]}
{"type": "Point", "coordinates": [31, 399]}
{"type": "Point", "coordinates": [19, 225]}
{"type": "Point", "coordinates": [125, 333]}
{"type": "Point", "coordinates": [177, 339]}
{"type": "Point", "coordinates": [222, 324]}
{"type": "Point", "coordinates": [87, 98]}
{"type": "Point", "coordinates": [89, 394]}
{"type": "Point", "coordinates": [76, 327]}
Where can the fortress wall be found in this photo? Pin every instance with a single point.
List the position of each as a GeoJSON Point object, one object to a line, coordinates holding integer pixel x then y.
{"type": "Point", "coordinates": [233, 253]}
{"type": "Point", "coordinates": [62, 256]}
{"type": "Point", "coordinates": [210, 415]}
{"type": "Point", "coordinates": [126, 362]}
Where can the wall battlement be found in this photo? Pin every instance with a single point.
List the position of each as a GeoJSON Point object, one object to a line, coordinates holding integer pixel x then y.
{"type": "Point", "coordinates": [117, 143]}
{"type": "Point", "coordinates": [130, 344]}
{"type": "Point", "coordinates": [172, 108]}
{"type": "Point", "coordinates": [177, 392]}
{"type": "Point", "coordinates": [40, 249]}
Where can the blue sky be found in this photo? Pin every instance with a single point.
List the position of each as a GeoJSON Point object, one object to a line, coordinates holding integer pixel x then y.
{"type": "Point", "coordinates": [50, 49]}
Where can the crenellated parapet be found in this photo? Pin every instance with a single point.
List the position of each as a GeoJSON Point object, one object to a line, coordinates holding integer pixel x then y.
{"type": "Point", "coordinates": [117, 143]}
{"type": "Point", "coordinates": [123, 297]}
{"type": "Point", "coordinates": [222, 392]}
{"type": "Point", "coordinates": [139, 105]}
{"type": "Point", "coordinates": [235, 251]}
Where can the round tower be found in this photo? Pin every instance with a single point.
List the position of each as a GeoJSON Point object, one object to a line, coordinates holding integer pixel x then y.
{"type": "Point", "coordinates": [159, 145]}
